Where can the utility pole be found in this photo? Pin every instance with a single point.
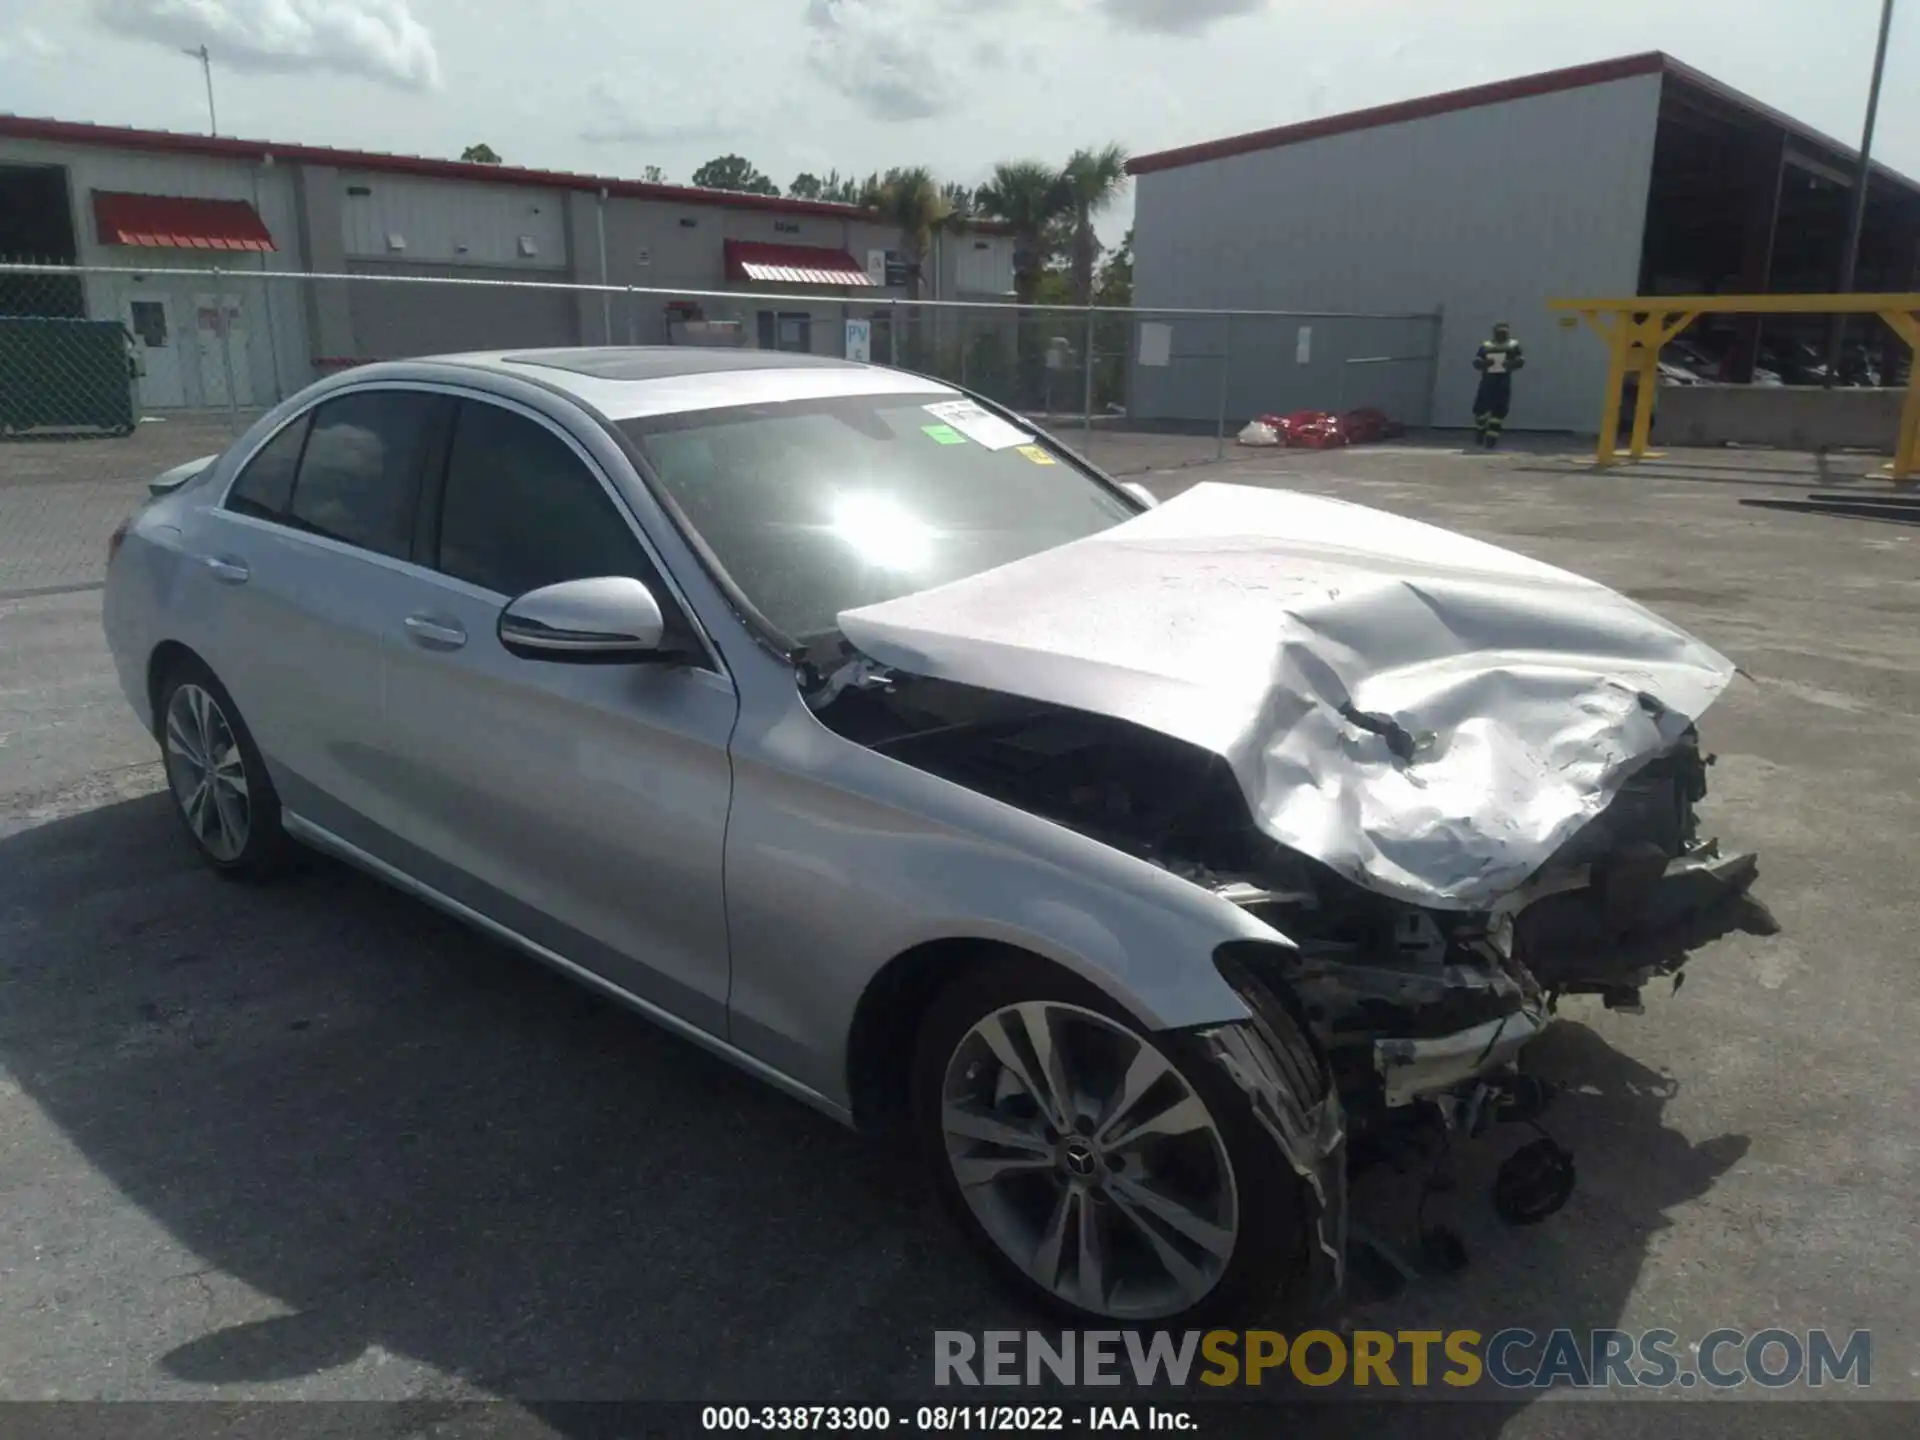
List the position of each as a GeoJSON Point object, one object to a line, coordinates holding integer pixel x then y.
{"type": "Point", "coordinates": [206, 67]}
{"type": "Point", "coordinates": [1849, 259]}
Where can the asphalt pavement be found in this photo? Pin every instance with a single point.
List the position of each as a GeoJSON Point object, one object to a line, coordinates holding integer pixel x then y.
{"type": "Point", "coordinates": [315, 1141]}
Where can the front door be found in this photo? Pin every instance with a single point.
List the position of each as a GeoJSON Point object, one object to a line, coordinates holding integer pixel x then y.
{"type": "Point", "coordinates": [583, 806]}
{"type": "Point", "coordinates": [156, 343]}
{"type": "Point", "coordinates": [226, 364]}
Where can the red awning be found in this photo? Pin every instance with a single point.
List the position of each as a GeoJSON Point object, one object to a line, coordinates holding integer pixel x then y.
{"type": "Point", "coordinates": [178, 223]}
{"type": "Point", "coordinates": [794, 264]}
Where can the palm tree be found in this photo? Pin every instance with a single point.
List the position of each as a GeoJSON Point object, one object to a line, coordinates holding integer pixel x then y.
{"type": "Point", "coordinates": [1094, 181]}
{"type": "Point", "coordinates": [1031, 197]}
{"type": "Point", "coordinates": [959, 200]}
{"type": "Point", "coordinates": [911, 199]}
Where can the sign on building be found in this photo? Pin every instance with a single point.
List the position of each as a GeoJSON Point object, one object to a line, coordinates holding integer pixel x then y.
{"type": "Point", "coordinates": [860, 341]}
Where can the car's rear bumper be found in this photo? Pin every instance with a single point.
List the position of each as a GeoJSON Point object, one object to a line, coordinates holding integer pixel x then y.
{"type": "Point", "coordinates": [121, 619]}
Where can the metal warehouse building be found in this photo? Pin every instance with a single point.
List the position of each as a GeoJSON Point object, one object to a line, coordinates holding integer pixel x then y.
{"type": "Point", "coordinates": [97, 195]}
{"type": "Point", "coordinates": [1633, 176]}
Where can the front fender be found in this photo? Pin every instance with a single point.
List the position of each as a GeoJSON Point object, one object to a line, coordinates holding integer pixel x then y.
{"type": "Point", "coordinates": [840, 859]}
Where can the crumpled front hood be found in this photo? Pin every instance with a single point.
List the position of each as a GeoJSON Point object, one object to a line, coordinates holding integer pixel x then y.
{"type": "Point", "coordinates": [1244, 620]}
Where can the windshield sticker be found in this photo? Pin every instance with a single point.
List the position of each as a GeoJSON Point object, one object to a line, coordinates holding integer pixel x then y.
{"type": "Point", "coordinates": [943, 435]}
{"type": "Point", "coordinates": [1037, 455]}
{"type": "Point", "coordinates": [977, 425]}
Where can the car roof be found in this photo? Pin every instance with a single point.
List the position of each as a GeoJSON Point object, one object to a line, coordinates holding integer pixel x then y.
{"type": "Point", "coordinates": [635, 381]}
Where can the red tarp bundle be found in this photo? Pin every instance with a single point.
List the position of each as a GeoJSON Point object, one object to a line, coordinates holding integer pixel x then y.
{"type": "Point", "coordinates": [1322, 430]}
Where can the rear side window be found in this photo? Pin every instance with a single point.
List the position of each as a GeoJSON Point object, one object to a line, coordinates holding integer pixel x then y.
{"type": "Point", "coordinates": [265, 486]}
{"type": "Point", "coordinates": [521, 509]}
{"type": "Point", "coordinates": [360, 476]}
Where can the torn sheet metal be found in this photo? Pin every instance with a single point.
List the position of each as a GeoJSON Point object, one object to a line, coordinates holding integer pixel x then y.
{"type": "Point", "coordinates": [1410, 1069]}
{"type": "Point", "coordinates": [1429, 715]}
{"type": "Point", "coordinates": [1313, 1142]}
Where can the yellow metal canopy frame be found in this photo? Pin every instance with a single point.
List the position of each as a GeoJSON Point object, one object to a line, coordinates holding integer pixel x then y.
{"type": "Point", "coordinates": [1635, 331]}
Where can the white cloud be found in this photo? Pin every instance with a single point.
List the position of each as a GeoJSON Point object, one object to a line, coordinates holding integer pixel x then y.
{"type": "Point", "coordinates": [889, 57]}
{"type": "Point", "coordinates": [377, 39]}
{"type": "Point", "coordinates": [652, 112]}
{"type": "Point", "coordinates": [28, 42]}
{"type": "Point", "coordinates": [1177, 17]}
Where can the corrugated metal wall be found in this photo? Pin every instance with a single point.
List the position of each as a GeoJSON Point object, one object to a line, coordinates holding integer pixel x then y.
{"type": "Point", "coordinates": [397, 321]}
{"type": "Point", "coordinates": [982, 266]}
{"type": "Point", "coordinates": [449, 222]}
{"type": "Point", "coordinates": [406, 225]}
{"type": "Point", "coordinates": [268, 332]}
{"type": "Point", "coordinates": [1485, 212]}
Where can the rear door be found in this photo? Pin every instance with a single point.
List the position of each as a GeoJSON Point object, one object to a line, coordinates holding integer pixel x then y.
{"type": "Point", "coordinates": [300, 568]}
{"type": "Point", "coordinates": [582, 805]}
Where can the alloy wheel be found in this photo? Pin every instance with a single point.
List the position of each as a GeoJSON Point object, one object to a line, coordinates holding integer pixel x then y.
{"type": "Point", "coordinates": [1089, 1160]}
{"type": "Point", "coordinates": [207, 773]}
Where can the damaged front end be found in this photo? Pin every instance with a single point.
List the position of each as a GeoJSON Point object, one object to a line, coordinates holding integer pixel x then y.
{"type": "Point", "coordinates": [1454, 782]}
{"type": "Point", "coordinates": [1405, 1001]}
{"type": "Point", "coordinates": [1402, 1003]}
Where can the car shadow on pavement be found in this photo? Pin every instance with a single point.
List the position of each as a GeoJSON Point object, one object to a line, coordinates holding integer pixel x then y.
{"type": "Point", "coordinates": [401, 1139]}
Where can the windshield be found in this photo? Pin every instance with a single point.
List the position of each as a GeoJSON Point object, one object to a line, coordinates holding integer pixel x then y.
{"type": "Point", "coordinates": [817, 506]}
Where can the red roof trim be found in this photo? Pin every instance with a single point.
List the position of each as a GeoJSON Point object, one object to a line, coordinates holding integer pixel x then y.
{"type": "Point", "coordinates": [817, 264]}
{"type": "Point", "coordinates": [73, 132]}
{"type": "Point", "coordinates": [1575, 78]}
{"type": "Point", "coordinates": [176, 222]}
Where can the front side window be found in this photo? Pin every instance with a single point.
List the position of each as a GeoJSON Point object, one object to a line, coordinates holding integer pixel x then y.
{"type": "Point", "coordinates": [264, 487]}
{"type": "Point", "coordinates": [817, 506]}
{"type": "Point", "coordinates": [359, 479]}
{"type": "Point", "coordinates": [521, 510]}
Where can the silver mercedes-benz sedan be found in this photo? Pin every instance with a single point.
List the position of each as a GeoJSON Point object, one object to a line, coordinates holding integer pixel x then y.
{"type": "Point", "coordinates": [1128, 858]}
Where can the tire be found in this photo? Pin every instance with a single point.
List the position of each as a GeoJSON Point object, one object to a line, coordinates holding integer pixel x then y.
{"type": "Point", "coordinates": [233, 819]}
{"type": "Point", "coordinates": [1090, 1205]}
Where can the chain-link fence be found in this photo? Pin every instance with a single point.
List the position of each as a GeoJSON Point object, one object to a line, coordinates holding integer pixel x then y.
{"type": "Point", "coordinates": [147, 368]}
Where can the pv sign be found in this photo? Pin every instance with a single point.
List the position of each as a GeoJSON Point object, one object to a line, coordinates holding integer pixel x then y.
{"type": "Point", "coordinates": [860, 340]}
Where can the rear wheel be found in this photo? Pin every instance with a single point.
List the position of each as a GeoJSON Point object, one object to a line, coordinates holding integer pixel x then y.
{"type": "Point", "coordinates": [218, 782]}
{"type": "Point", "coordinates": [1108, 1171]}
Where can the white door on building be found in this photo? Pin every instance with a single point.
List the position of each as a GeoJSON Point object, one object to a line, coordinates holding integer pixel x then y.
{"type": "Point", "coordinates": [156, 345]}
{"type": "Point", "coordinates": [226, 372]}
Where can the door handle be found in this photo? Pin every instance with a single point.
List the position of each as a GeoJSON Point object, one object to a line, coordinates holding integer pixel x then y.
{"type": "Point", "coordinates": [227, 572]}
{"type": "Point", "coordinates": [434, 634]}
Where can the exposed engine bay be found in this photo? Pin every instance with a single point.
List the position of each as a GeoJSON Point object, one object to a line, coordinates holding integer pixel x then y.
{"type": "Point", "coordinates": [1626, 900]}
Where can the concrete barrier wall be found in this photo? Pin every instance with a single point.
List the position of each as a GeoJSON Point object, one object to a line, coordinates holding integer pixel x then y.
{"type": "Point", "coordinates": [1793, 417]}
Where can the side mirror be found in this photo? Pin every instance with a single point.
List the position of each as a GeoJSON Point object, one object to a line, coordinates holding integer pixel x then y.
{"type": "Point", "coordinates": [610, 618]}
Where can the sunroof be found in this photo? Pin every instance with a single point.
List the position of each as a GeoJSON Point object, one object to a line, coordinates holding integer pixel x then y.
{"type": "Point", "coordinates": [659, 362]}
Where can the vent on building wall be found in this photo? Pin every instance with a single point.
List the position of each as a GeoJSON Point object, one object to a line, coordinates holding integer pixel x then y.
{"type": "Point", "coordinates": [528, 247]}
{"type": "Point", "coordinates": [359, 189]}
{"type": "Point", "coordinates": [396, 241]}
{"type": "Point", "coordinates": [687, 222]}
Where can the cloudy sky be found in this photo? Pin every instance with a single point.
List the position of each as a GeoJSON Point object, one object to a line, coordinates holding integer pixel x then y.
{"type": "Point", "coordinates": [610, 86]}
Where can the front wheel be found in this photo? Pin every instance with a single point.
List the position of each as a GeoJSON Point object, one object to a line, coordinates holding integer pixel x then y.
{"type": "Point", "coordinates": [1109, 1172]}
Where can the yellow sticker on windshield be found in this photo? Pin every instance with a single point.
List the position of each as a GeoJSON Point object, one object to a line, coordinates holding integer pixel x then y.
{"type": "Point", "coordinates": [1037, 455]}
